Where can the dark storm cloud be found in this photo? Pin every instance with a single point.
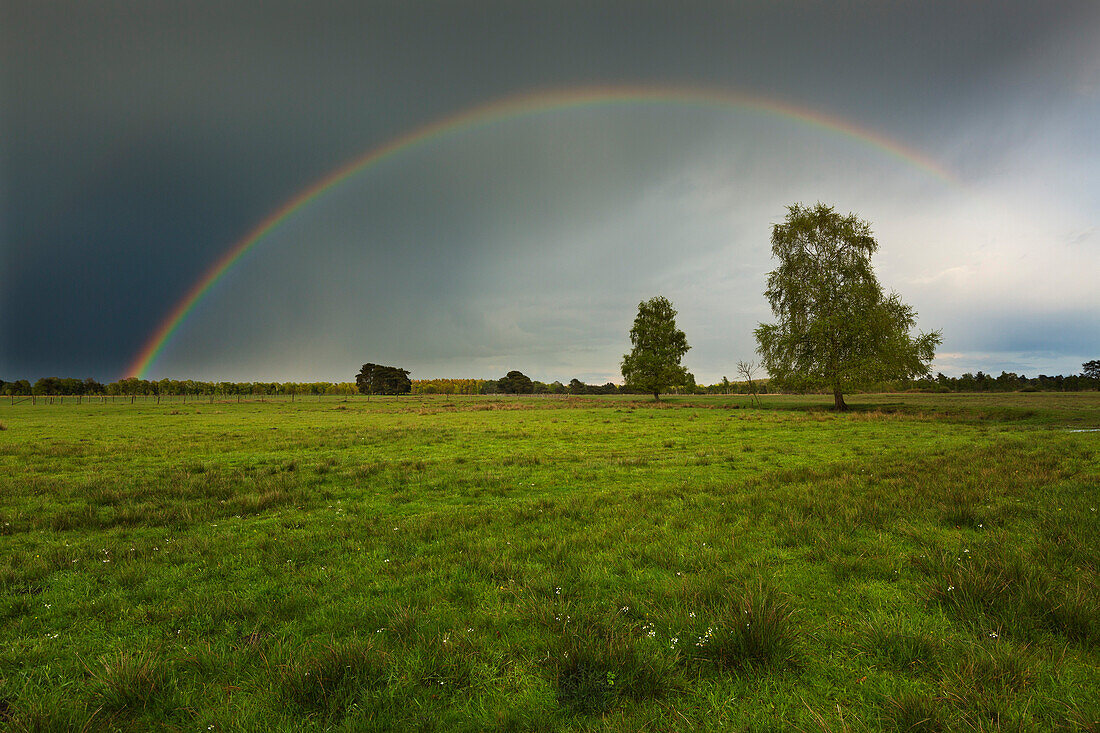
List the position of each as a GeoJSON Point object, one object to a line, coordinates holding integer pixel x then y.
{"type": "Point", "coordinates": [142, 139]}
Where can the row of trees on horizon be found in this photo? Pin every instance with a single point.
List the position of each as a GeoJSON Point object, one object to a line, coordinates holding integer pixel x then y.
{"type": "Point", "coordinates": [512, 383]}
{"type": "Point", "coordinates": [1089, 379]}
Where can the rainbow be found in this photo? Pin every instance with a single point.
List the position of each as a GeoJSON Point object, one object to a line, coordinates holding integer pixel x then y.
{"type": "Point", "coordinates": [522, 105]}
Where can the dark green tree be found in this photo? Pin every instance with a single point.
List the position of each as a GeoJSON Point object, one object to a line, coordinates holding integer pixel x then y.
{"type": "Point", "coordinates": [516, 383]}
{"type": "Point", "coordinates": [836, 329]}
{"type": "Point", "coordinates": [379, 379]}
{"type": "Point", "coordinates": [48, 386]}
{"type": "Point", "coordinates": [1091, 369]}
{"type": "Point", "coordinates": [396, 381]}
{"type": "Point", "coordinates": [654, 362]}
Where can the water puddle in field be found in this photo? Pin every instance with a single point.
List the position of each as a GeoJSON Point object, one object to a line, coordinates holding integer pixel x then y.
{"type": "Point", "coordinates": [1083, 430]}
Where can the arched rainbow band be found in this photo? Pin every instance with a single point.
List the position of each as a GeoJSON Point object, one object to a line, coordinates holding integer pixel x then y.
{"type": "Point", "coordinates": [516, 106]}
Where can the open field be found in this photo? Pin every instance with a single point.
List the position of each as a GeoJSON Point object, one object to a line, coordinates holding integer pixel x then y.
{"type": "Point", "coordinates": [925, 562]}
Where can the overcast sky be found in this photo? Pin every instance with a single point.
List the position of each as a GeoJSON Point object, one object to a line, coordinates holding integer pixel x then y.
{"type": "Point", "coordinates": [140, 140]}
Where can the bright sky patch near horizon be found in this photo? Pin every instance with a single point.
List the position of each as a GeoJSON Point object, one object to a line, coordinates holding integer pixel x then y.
{"type": "Point", "coordinates": [142, 142]}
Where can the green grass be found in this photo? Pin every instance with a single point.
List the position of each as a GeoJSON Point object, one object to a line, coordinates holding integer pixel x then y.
{"type": "Point", "coordinates": [925, 562]}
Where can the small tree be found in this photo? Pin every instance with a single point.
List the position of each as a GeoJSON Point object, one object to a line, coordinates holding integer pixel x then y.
{"type": "Point", "coordinates": [836, 329]}
{"type": "Point", "coordinates": [747, 369]}
{"type": "Point", "coordinates": [654, 363]}
{"type": "Point", "coordinates": [1091, 369]}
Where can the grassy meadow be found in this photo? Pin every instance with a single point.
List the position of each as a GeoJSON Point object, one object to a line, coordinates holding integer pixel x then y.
{"type": "Point", "coordinates": [924, 562]}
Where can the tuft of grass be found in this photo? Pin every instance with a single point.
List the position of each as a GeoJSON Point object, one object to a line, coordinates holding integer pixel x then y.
{"type": "Point", "coordinates": [1083, 715]}
{"type": "Point", "coordinates": [404, 621]}
{"type": "Point", "coordinates": [987, 669]}
{"type": "Point", "coordinates": [1001, 591]}
{"type": "Point", "coordinates": [71, 518]}
{"type": "Point", "coordinates": [758, 630]}
{"type": "Point", "coordinates": [128, 682]}
{"type": "Point", "coordinates": [599, 664]}
{"type": "Point", "coordinates": [330, 680]}
{"type": "Point", "coordinates": [914, 713]}
{"type": "Point", "coordinates": [1076, 614]}
{"type": "Point", "coordinates": [900, 646]}
{"type": "Point", "coordinates": [991, 685]}
{"type": "Point", "coordinates": [48, 714]}
{"type": "Point", "coordinates": [586, 685]}
{"type": "Point", "coordinates": [446, 664]}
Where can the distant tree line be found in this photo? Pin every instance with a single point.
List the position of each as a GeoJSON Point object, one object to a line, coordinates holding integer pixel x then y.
{"type": "Point", "coordinates": [167, 387]}
{"type": "Point", "coordinates": [517, 383]}
{"type": "Point", "coordinates": [448, 386]}
{"type": "Point", "coordinates": [1012, 382]}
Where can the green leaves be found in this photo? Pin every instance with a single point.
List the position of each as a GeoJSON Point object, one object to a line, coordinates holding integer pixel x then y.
{"type": "Point", "coordinates": [654, 363]}
{"type": "Point", "coordinates": [835, 327]}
